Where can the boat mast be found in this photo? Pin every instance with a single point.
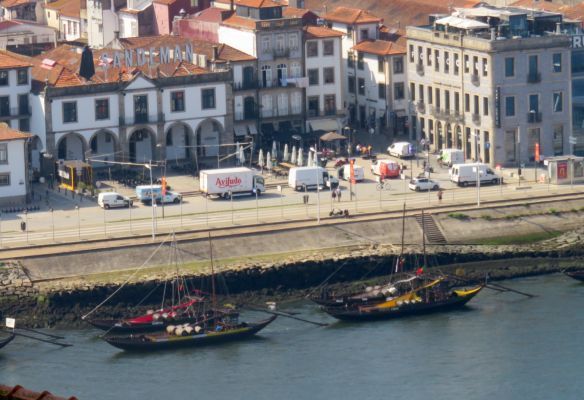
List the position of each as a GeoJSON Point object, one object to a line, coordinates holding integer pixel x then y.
{"type": "Point", "coordinates": [214, 300]}
{"type": "Point", "coordinates": [424, 238]}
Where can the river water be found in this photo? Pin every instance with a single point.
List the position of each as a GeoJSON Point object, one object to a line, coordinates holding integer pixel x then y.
{"type": "Point", "coordinates": [502, 346]}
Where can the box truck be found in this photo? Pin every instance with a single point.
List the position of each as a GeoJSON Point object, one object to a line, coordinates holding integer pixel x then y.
{"type": "Point", "coordinates": [309, 177]}
{"type": "Point", "coordinates": [144, 193]}
{"type": "Point", "coordinates": [466, 174]}
{"type": "Point", "coordinates": [235, 181]}
{"type": "Point", "coordinates": [450, 157]}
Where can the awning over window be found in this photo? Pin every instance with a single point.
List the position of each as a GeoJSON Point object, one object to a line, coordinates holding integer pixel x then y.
{"type": "Point", "coordinates": [326, 125]}
{"type": "Point", "coordinates": [252, 129]}
{"type": "Point", "coordinates": [240, 130]}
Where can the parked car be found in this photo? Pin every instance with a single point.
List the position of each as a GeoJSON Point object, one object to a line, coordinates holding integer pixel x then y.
{"type": "Point", "coordinates": [420, 184]}
{"type": "Point", "coordinates": [109, 200]}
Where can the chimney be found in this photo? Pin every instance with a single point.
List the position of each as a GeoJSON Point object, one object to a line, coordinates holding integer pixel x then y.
{"type": "Point", "coordinates": [87, 66]}
{"type": "Point", "coordinates": [182, 13]}
{"type": "Point", "coordinates": [232, 5]}
{"type": "Point", "coordinates": [558, 28]}
{"type": "Point", "coordinates": [215, 52]}
{"type": "Point", "coordinates": [493, 34]}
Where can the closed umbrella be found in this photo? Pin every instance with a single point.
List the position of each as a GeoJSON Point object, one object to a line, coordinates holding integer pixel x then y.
{"type": "Point", "coordinates": [261, 159]}
{"type": "Point", "coordinates": [269, 161]}
{"type": "Point", "coordinates": [294, 155]}
{"type": "Point", "coordinates": [309, 160]}
{"type": "Point", "coordinates": [237, 147]}
{"type": "Point", "coordinates": [274, 149]}
{"type": "Point", "coordinates": [286, 155]}
{"type": "Point", "coordinates": [300, 162]}
{"type": "Point", "coordinates": [241, 156]}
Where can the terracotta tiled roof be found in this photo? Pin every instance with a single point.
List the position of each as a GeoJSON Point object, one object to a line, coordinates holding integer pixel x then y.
{"type": "Point", "coordinates": [65, 72]}
{"type": "Point", "coordinates": [226, 53]}
{"type": "Point", "coordinates": [13, 60]}
{"type": "Point", "coordinates": [258, 3]}
{"type": "Point", "coordinates": [396, 13]}
{"type": "Point", "coordinates": [319, 32]}
{"type": "Point", "coordinates": [211, 14]}
{"type": "Point", "coordinates": [380, 47]}
{"type": "Point", "coordinates": [540, 5]}
{"type": "Point", "coordinates": [7, 133]}
{"type": "Point", "coordinates": [68, 8]}
{"type": "Point", "coordinates": [576, 12]}
{"type": "Point", "coordinates": [15, 3]}
{"type": "Point", "coordinates": [239, 22]}
{"type": "Point", "coordinates": [293, 12]}
{"type": "Point", "coordinates": [130, 10]}
{"type": "Point", "coordinates": [351, 16]}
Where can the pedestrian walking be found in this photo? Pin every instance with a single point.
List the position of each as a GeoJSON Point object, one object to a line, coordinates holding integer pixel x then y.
{"type": "Point", "coordinates": [440, 193]}
{"type": "Point", "coordinates": [338, 194]}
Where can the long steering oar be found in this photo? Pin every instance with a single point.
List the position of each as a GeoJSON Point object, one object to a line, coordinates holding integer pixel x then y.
{"type": "Point", "coordinates": [283, 314]}
{"type": "Point", "coordinates": [42, 333]}
{"type": "Point", "coordinates": [43, 340]}
{"type": "Point", "coordinates": [509, 289]}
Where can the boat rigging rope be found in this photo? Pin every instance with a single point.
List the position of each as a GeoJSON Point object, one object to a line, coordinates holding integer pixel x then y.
{"type": "Point", "coordinates": [127, 280]}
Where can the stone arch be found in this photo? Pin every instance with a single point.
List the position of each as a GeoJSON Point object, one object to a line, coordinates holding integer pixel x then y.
{"type": "Point", "coordinates": [459, 139]}
{"type": "Point", "coordinates": [141, 144]}
{"type": "Point", "coordinates": [71, 146]}
{"type": "Point", "coordinates": [208, 137]}
{"type": "Point", "coordinates": [180, 140]}
{"type": "Point", "coordinates": [104, 145]}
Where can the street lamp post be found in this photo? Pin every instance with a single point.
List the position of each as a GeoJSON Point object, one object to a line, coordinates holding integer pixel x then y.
{"type": "Point", "coordinates": [26, 224]}
{"type": "Point", "coordinates": [78, 222]}
{"type": "Point", "coordinates": [181, 211]}
{"type": "Point", "coordinates": [104, 224]}
{"type": "Point", "coordinates": [478, 172]}
{"type": "Point", "coordinates": [232, 212]}
{"type": "Point", "coordinates": [130, 211]}
{"type": "Point", "coordinates": [52, 223]}
{"type": "Point", "coordinates": [153, 202]}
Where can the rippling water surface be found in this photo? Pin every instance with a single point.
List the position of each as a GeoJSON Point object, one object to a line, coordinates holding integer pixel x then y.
{"type": "Point", "coordinates": [503, 346]}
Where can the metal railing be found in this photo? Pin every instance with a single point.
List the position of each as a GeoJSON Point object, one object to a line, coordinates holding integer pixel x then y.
{"type": "Point", "coordinates": [141, 119]}
{"type": "Point", "coordinates": [246, 85]}
{"type": "Point", "coordinates": [533, 77]}
{"type": "Point", "coordinates": [15, 111]}
{"type": "Point", "coordinates": [475, 79]}
{"type": "Point", "coordinates": [533, 117]}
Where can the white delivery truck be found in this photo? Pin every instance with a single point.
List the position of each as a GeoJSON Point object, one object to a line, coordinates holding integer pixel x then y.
{"type": "Point", "coordinates": [358, 171]}
{"type": "Point", "coordinates": [401, 150]}
{"type": "Point", "coordinates": [450, 157]}
{"type": "Point", "coordinates": [309, 177]}
{"type": "Point", "coordinates": [466, 174]}
{"type": "Point", "coordinates": [235, 181]}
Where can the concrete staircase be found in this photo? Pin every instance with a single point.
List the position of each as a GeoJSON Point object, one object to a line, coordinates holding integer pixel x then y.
{"type": "Point", "coordinates": [433, 232]}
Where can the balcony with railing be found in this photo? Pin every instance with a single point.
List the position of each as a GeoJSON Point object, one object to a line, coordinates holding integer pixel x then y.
{"type": "Point", "coordinates": [420, 106]}
{"type": "Point", "coordinates": [475, 79]}
{"type": "Point", "coordinates": [456, 117]}
{"type": "Point", "coordinates": [280, 112]}
{"type": "Point", "coordinates": [533, 77]}
{"type": "Point", "coordinates": [281, 52]}
{"type": "Point", "coordinates": [15, 112]}
{"type": "Point", "coordinates": [141, 119]}
{"type": "Point", "coordinates": [246, 85]}
{"type": "Point", "coordinates": [533, 117]}
{"type": "Point", "coordinates": [243, 116]}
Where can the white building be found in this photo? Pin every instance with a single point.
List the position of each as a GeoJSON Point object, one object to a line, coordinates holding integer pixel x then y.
{"type": "Point", "coordinates": [494, 82]}
{"type": "Point", "coordinates": [26, 37]}
{"type": "Point", "coordinates": [15, 86]}
{"type": "Point", "coordinates": [102, 21]}
{"type": "Point", "coordinates": [170, 106]}
{"type": "Point", "coordinates": [324, 94]}
{"type": "Point", "coordinates": [14, 181]}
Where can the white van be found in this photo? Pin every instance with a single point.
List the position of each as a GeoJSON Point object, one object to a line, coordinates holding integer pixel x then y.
{"type": "Point", "coordinates": [345, 172]}
{"type": "Point", "coordinates": [401, 150]}
{"type": "Point", "coordinates": [309, 177]}
{"type": "Point", "coordinates": [109, 200]}
{"type": "Point", "coordinates": [466, 174]}
{"type": "Point", "coordinates": [450, 157]}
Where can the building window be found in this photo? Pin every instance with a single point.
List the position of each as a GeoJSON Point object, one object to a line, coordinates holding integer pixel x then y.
{"type": "Point", "coordinates": [558, 102]}
{"type": "Point", "coordinates": [446, 62]}
{"type": "Point", "coordinates": [313, 106]}
{"type": "Point", "coordinates": [412, 91]}
{"type": "Point", "coordinates": [101, 109]}
{"type": "Point", "coordinates": [208, 98]}
{"type": "Point", "coordinates": [266, 43]}
{"type": "Point", "coordinates": [421, 93]}
{"type": "Point", "coordinates": [485, 67]}
{"type": "Point", "coordinates": [510, 106]}
{"type": "Point", "coordinates": [293, 42]}
{"type": "Point", "coordinates": [430, 95]}
{"type": "Point", "coordinates": [177, 101]}
{"type": "Point", "coordinates": [398, 65]}
{"type": "Point", "coordinates": [476, 104]}
{"type": "Point", "coordinates": [509, 67]}
{"type": "Point", "coordinates": [349, 32]}
{"type": "Point", "coordinates": [22, 76]}
{"type": "Point", "coordinates": [429, 57]}
{"type": "Point", "coordinates": [312, 49]}
{"type": "Point", "coordinates": [69, 111]}
{"type": "Point", "coordinates": [557, 62]}
{"type": "Point", "coordinates": [381, 90]}
{"type": "Point", "coordinates": [350, 60]}
{"type": "Point", "coordinates": [456, 101]}
{"type": "Point", "coordinates": [456, 64]}
{"type": "Point", "coordinates": [5, 179]}
{"type": "Point", "coordinates": [3, 153]}
{"type": "Point", "coordinates": [351, 84]}
{"type": "Point", "coordinates": [364, 34]}
{"type": "Point", "coordinates": [447, 100]}
{"type": "Point", "coordinates": [466, 64]}
{"type": "Point", "coordinates": [533, 69]}
{"type": "Point", "coordinates": [412, 54]}
{"type": "Point", "coordinates": [313, 77]}
{"type": "Point", "coordinates": [4, 106]}
{"type": "Point", "coordinates": [141, 108]}
{"type": "Point", "coordinates": [558, 140]}
{"type": "Point", "coordinates": [361, 88]}
{"type": "Point", "coordinates": [24, 124]}
{"type": "Point", "coordinates": [398, 91]}
{"type": "Point", "coordinates": [3, 78]}
{"type": "Point", "coordinates": [330, 105]}
{"type": "Point", "coordinates": [534, 103]}
{"type": "Point", "coordinates": [436, 60]}
{"type": "Point", "coordinates": [328, 75]}
{"type": "Point", "coordinates": [360, 63]}
{"type": "Point", "coordinates": [328, 48]}
{"type": "Point", "coordinates": [485, 106]}
{"type": "Point", "coordinates": [467, 102]}
{"type": "Point", "coordinates": [380, 62]}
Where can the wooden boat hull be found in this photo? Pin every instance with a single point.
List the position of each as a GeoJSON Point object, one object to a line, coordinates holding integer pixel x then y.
{"type": "Point", "coordinates": [578, 275]}
{"type": "Point", "coordinates": [5, 341]}
{"type": "Point", "coordinates": [404, 310]}
{"type": "Point", "coordinates": [165, 342]}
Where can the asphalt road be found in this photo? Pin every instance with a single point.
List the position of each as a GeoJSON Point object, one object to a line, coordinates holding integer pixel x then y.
{"type": "Point", "coordinates": [88, 221]}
